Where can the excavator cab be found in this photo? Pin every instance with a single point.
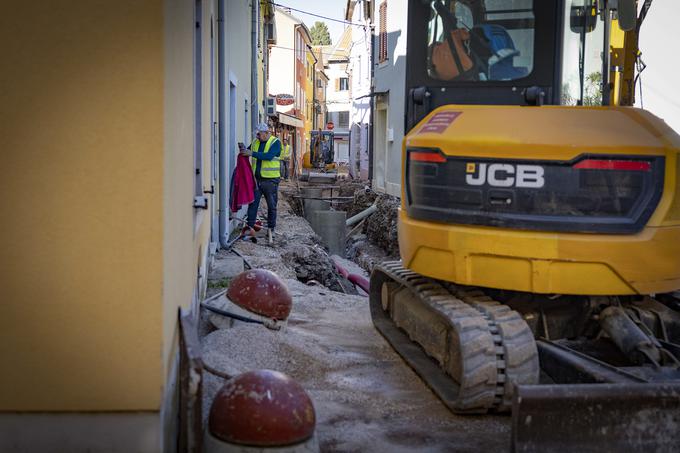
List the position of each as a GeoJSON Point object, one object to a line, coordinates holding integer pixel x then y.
{"type": "Point", "coordinates": [507, 52]}
{"type": "Point", "coordinates": [539, 228]}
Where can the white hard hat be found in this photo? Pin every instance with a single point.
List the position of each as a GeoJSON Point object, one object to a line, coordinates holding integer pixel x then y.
{"type": "Point", "coordinates": [262, 127]}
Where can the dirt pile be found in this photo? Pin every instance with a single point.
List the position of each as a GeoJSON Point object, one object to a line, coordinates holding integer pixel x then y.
{"type": "Point", "coordinates": [312, 263]}
{"type": "Point", "coordinates": [381, 227]}
{"type": "Point", "coordinates": [366, 255]}
{"type": "Point", "coordinates": [348, 188]}
{"type": "Point", "coordinates": [363, 198]}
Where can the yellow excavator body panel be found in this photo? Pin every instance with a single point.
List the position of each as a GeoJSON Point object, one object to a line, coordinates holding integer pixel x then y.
{"type": "Point", "coordinates": [540, 260]}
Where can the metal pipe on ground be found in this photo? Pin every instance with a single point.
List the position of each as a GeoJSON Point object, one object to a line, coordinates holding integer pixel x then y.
{"type": "Point", "coordinates": [362, 215]}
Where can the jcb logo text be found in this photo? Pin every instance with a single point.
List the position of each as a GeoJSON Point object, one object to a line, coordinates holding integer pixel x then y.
{"type": "Point", "coordinates": [505, 175]}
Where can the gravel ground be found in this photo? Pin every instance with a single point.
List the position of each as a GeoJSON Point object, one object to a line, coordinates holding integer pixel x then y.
{"type": "Point", "coordinates": [366, 398]}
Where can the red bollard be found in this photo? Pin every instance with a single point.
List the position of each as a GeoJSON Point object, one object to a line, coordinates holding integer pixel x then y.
{"type": "Point", "coordinates": [261, 410]}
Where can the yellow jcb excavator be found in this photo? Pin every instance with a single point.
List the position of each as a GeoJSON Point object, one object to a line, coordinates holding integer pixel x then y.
{"type": "Point", "coordinates": [539, 227]}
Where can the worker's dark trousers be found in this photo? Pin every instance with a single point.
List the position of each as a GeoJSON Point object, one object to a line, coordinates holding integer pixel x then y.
{"type": "Point", "coordinates": [269, 187]}
{"type": "Point", "coordinates": [284, 169]}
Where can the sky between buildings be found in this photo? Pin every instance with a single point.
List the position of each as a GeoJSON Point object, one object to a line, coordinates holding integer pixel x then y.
{"type": "Point", "coordinates": [329, 8]}
{"type": "Point", "coordinates": [659, 40]}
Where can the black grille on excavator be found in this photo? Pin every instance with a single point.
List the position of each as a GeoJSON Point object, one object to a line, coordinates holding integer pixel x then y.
{"type": "Point", "coordinates": [590, 194]}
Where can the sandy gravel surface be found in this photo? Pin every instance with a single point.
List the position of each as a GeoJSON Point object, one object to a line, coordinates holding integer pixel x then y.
{"type": "Point", "coordinates": [366, 398]}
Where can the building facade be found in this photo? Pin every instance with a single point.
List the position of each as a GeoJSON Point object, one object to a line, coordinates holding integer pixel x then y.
{"type": "Point", "coordinates": [389, 82]}
{"type": "Point", "coordinates": [320, 86]}
{"type": "Point", "coordinates": [119, 133]}
{"type": "Point", "coordinates": [287, 83]}
{"type": "Point", "coordinates": [310, 80]}
{"type": "Point", "coordinates": [359, 71]}
{"type": "Point", "coordinates": [336, 60]}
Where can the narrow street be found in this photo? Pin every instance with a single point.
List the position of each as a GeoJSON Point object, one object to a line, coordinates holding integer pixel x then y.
{"type": "Point", "coordinates": [478, 213]}
{"type": "Point", "coordinates": [366, 397]}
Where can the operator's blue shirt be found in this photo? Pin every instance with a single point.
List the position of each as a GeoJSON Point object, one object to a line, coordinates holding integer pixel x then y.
{"type": "Point", "coordinates": [274, 151]}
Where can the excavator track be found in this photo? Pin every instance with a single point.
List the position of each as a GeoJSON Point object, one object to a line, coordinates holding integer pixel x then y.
{"type": "Point", "coordinates": [468, 348]}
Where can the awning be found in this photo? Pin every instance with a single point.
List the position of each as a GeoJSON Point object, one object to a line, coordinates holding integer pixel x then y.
{"type": "Point", "coordinates": [290, 120]}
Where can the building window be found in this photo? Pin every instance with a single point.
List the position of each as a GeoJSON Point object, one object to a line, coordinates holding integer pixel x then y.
{"type": "Point", "coordinates": [319, 83]}
{"type": "Point", "coordinates": [343, 119]}
{"type": "Point", "coordinates": [343, 84]}
{"type": "Point", "coordinates": [382, 35]}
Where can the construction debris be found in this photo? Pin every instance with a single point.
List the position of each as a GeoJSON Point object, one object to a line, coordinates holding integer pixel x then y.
{"type": "Point", "coordinates": [381, 227]}
{"type": "Point", "coordinates": [312, 263]}
{"type": "Point", "coordinates": [363, 198]}
{"type": "Point", "coordinates": [366, 398]}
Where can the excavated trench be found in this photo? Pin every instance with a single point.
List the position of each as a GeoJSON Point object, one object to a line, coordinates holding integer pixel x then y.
{"type": "Point", "coordinates": [370, 242]}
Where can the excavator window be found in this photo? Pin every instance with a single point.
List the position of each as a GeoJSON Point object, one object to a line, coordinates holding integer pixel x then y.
{"type": "Point", "coordinates": [480, 40]}
{"type": "Point", "coordinates": [583, 38]}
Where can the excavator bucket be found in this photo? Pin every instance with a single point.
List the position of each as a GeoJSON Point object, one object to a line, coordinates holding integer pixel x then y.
{"type": "Point", "coordinates": [596, 418]}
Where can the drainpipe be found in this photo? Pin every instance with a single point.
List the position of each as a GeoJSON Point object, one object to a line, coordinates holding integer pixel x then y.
{"type": "Point", "coordinates": [254, 109]}
{"type": "Point", "coordinates": [314, 115]}
{"type": "Point", "coordinates": [223, 201]}
{"type": "Point", "coordinates": [371, 116]}
{"type": "Point", "coordinates": [265, 67]}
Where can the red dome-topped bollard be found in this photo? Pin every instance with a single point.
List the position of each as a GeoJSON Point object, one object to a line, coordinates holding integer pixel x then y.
{"type": "Point", "coordinates": [261, 292]}
{"type": "Point", "coordinates": [261, 411]}
{"type": "Point", "coordinates": [255, 294]}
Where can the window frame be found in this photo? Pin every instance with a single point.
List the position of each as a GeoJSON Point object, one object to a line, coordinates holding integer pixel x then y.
{"type": "Point", "coordinates": [546, 27]}
{"type": "Point", "coordinates": [343, 124]}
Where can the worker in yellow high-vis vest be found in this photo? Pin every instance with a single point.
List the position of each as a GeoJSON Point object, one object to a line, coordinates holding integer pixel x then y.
{"type": "Point", "coordinates": [265, 151]}
{"type": "Point", "coordinates": [285, 158]}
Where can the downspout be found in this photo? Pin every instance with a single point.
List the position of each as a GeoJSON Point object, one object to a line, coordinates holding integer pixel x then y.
{"type": "Point", "coordinates": [314, 115]}
{"type": "Point", "coordinates": [265, 66]}
{"type": "Point", "coordinates": [223, 201]}
{"type": "Point", "coordinates": [254, 109]}
{"type": "Point", "coordinates": [371, 116]}
{"type": "Point", "coordinates": [606, 56]}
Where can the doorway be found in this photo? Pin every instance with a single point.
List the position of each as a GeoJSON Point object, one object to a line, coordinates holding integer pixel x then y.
{"type": "Point", "coordinates": [379, 151]}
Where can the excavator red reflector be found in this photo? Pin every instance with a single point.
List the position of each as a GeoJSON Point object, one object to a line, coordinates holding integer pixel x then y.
{"type": "Point", "coordinates": [602, 164]}
{"type": "Point", "coordinates": [427, 157]}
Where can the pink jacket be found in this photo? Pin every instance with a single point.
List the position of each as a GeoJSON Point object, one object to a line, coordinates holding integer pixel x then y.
{"type": "Point", "coordinates": [242, 184]}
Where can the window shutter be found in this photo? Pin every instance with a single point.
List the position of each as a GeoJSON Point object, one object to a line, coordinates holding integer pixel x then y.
{"type": "Point", "coordinates": [337, 84]}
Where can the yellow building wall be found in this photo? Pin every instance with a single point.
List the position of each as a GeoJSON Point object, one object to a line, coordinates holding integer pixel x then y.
{"type": "Point", "coordinates": [186, 229]}
{"type": "Point", "coordinates": [81, 194]}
